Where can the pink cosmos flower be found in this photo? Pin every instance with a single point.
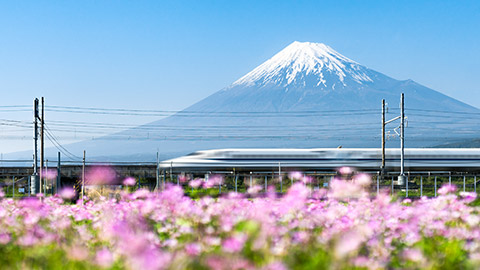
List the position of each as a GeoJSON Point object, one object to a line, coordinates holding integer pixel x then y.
{"type": "Point", "coordinates": [129, 181]}
{"type": "Point", "coordinates": [48, 174]}
{"type": "Point", "coordinates": [100, 175]}
{"type": "Point", "coordinates": [233, 244]}
{"type": "Point", "coordinates": [275, 266]}
{"type": "Point", "coordinates": [213, 180]}
{"type": "Point", "coordinates": [296, 195]}
{"type": "Point", "coordinates": [28, 239]}
{"type": "Point", "coordinates": [4, 238]}
{"type": "Point", "coordinates": [414, 255]}
{"type": "Point", "coordinates": [406, 201]}
{"type": "Point", "coordinates": [468, 197]}
{"type": "Point", "coordinates": [104, 258]}
{"type": "Point", "coordinates": [345, 171]}
{"type": "Point", "coordinates": [193, 249]}
{"type": "Point", "coordinates": [209, 184]}
{"type": "Point", "coordinates": [362, 179]}
{"type": "Point", "coordinates": [295, 175]}
{"type": "Point", "coordinates": [254, 189]}
{"type": "Point", "coordinates": [196, 183]}
{"type": "Point", "coordinates": [446, 189]}
{"type": "Point", "coordinates": [78, 253]}
{"type": "Point", "coordinates": [348, 243]}
{"type": "Point", "coordinates": [67, 193]}
{"type": "Point", "coordinates": [183, 178]}
{"type": "Point", "coordinates": [307, 179]}
{"type": "Point", "coordinates": [342, 189]}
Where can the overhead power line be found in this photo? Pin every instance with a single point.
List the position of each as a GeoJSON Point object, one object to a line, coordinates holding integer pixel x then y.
{"type": "Point", "coordinates": [203, 112]}
{"type": "Point", "coordinates": [61, 148]}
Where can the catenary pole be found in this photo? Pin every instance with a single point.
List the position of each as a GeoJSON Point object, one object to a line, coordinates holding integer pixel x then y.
{"type": "Point", "coordinates": [236, 177]}
{"type": "Point", "coordinates": [475, 184]}
{"type": "Point", "coordinates": [45, 179]}
{"type": "Point", "coordinates": [392, 184]}
{"type": "Point", "coordinates": [33, 181]}
{"type": "Point", "coordinates": [280, 177]}
{"type": "Point", "coordinates": [402, 136]}
{"type": "Point", "coordinates": [383, 139]}
{"type": "Point", "coordinates": [163, 179]}
{"type": "Point", "coordinates": [157, 177]}
{"type": "Point", "coordinates": [42, 148]}
{"type": "Point", "coordinates": [265, 183]}
{"type": "Point", "coordinates": [421, 186]}
{"type": "Point", "coordinates": [59, 173]}
{"type": "Point", "coordinates": [83, 175]}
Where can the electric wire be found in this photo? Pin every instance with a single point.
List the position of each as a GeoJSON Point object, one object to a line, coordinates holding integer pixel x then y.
{"type": "Point", "coordinates": [54, 141]}
{"type": "Point", "coordinates": [242, 131]}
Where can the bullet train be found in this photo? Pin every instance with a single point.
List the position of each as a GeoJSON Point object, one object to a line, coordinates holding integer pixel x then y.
{"type": "Point", "coordinates": [366, 159]}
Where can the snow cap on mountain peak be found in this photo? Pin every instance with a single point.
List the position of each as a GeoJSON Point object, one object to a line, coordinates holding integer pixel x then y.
{"type": "Point", "coordinates": [308, 64]}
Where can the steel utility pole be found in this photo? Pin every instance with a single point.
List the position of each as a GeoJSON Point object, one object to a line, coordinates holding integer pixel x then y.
{"type": "Point", "coordinates": [35, 137]}
{"type": "Point", "coordinates": [401, 179]}
{"type": "Point", "coordinates": [157, 177]}
{"type": "Point", "coordinates": [83, 176]}
{"type": "Point", "coordinates": [382, 168]}
{"type": "Point", "coordinates": [280, 177]}
{"type": "Point", "coordinates": [59, 172]}
{"type": "Point", "coordinates": [42, 149]}
{"type": "Point", "coordinates": [34, 178]}
{"type": "Point", "coordinates": [45, 184]}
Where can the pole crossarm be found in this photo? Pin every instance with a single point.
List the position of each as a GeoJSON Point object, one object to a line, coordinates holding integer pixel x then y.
{"type": "Point", "coordinates": [391, 120]}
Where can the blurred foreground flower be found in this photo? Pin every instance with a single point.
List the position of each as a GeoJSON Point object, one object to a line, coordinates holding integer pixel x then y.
{"type": "Point", "coordinates": [344, 227]}
{"type": "Point", "coordinates": [342, 189]}
{"type": "Point", "coordinates": [67, 193]}
{"type": "Point", "coordinates": [101, 175]}
{"type": "Point", "coordinates": [446, 189]}
{"type": "Point", "coordinates": [196, 183]}
{"type": "Point", "coordinates": [129, 181]}
{"type": "Point", "coordinates": [213, 180]}
{"type": "Point", "coordinates": [104, 258]}
{"type": "Point", "coordinates": [362, 179]}
{"type": "Point", "coordinates": [345, 171]}
{"type": "Point", "coordinates": [295, 175]}
{"type": "Point", "coordinates": [254, 189]}
{"type": "Point", "coordinates": [49, 174]}
{"type": "Point", "coordinates": [233, 244]}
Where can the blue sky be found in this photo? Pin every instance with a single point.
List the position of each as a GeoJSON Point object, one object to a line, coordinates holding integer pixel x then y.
{"type": "Point", "coordinates": [170, 54]}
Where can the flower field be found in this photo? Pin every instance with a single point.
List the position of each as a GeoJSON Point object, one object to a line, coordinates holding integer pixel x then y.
{"type": "Point", "coordinates": [343, 227]}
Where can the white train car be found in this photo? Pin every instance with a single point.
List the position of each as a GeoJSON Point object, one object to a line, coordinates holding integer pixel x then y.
{"type": "Point", "coordinates": [367, 159]}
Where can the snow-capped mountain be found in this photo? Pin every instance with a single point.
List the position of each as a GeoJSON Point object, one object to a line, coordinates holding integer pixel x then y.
{"type": "Point", "coordinates": [313, 76]}
{"type": "Point", "coordinates": [307, 95]}
{"type": "Point", "coordinates": [305, 64]}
